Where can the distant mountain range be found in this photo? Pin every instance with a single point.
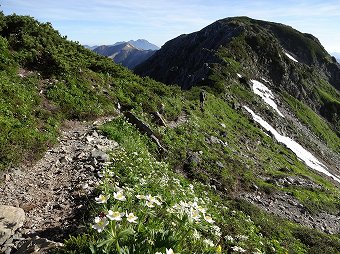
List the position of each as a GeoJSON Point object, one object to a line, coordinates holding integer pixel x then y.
{"type": "Point", "coordinates": [143, 44]}
{"type": "Point", "coordinates": [90, 47]}
{"type": "Point", "coordinates": [125, 54]}
{"type": "Point", "coordinates": [129, 54]}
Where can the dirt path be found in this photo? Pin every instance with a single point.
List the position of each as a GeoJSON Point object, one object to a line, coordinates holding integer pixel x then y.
{"type": "Point", "coordinates": [54, 192]}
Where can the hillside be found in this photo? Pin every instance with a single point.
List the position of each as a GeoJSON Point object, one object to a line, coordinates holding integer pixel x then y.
{"type": "Point", "coordinates": [252, 169]}
{"type": "Point", "coordinates": [255, 49]}
{"type": "Point", "coordinates": [125, 53]}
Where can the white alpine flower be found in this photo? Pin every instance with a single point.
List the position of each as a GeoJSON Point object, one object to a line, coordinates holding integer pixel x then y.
{"type": "Point", "coordinates": [101, 223]}
{"type": "Point", "coordinates": [102, 199]}
{"type": "Point", "coordinates": [119, 195]}
{"type": "Point", "coordinates": [117, 216]}
{"type": "Point", "coordinates": [131, 217]}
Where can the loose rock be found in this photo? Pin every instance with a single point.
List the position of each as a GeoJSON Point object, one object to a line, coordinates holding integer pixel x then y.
{"type": "Point", "coordinates": [11, 218]}
{"type": "Point", "coordinates": [50, 191]}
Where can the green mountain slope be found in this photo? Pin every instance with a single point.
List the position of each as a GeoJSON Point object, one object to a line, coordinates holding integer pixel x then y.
{"type": "Point", "coordinates": [256, 49]}
{"type": "Point", "coordinates": [235, 56]}
{"type": "Point", "coordinates": [46, 79]}
{"type": "Point", "coordinates": [213, 156]}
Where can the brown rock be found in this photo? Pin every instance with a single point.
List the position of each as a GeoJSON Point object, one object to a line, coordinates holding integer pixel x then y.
{"type": "Point", "coordinates": [38, 245]}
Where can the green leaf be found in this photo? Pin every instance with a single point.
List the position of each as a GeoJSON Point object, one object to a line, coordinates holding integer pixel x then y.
{"type": "Point", "coordinates": [105, 242]}
{"type": "Point", "coordinates": [93, 250]}
{"type": "Point", "coordinates": [126, 233]}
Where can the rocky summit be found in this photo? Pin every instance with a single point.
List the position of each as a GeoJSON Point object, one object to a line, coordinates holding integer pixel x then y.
{"type": "Point", "coordinates": [293, 61]}
{"type": "Point", "coordinates": [259, 47]}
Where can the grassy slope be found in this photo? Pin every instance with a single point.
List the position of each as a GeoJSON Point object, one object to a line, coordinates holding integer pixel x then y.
{"type": "Point", "coordinates": [64, 81]}
{"type": "Point", "coordinates": [46, 79]}
{"type": "Point", "coordinates": [137, 171]}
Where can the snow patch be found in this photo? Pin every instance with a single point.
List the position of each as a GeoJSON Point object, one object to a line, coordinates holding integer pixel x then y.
{"type": "Point", "coordinates": [266, 94]}
{"type": "Point", "coordinates": [291, 57]}
{"type": "Point", "coordinates": [300, 152]}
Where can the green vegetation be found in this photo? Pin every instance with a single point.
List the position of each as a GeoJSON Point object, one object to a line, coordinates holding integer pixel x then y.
{"type": "Point", "coordinates": [314, 122]}
{"type": "Point", "coordinates": [183, 199]}
{"type": "Point", "coordinates": [45, 79]}
{"type": "Point", "coordinates": [146, 207]}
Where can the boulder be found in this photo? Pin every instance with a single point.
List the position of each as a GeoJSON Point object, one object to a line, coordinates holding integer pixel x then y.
{"type": "Point", "coordinates": [100, 155]}
{"type": "Point", "coordinates": [11, 218]}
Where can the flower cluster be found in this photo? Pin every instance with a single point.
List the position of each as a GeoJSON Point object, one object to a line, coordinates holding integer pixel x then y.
{"type": "Point", "coordinates": [167, 251]}
{"type": "Point", "coordinates": [102, 220]}
{"type": "Point", "coordinates": [238, 249]}
{"type": "Point", "coordinates": [150, 200]}
{"type": "Point", "coordinates": [194, 211]}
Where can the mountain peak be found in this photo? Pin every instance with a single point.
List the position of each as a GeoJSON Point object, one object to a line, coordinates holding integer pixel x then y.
{"type": "Point", "coordinates": [248, 41]}
{"type": "Point", "coordinates": [125, 53]}
{"type": "Point", "coordinates": [292, 61]}
{"type": "Point", "coordinates": [143, 44]}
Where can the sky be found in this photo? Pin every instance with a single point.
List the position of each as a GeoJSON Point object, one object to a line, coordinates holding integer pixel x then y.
{"type": "Point", "coordinates": [98, 22]}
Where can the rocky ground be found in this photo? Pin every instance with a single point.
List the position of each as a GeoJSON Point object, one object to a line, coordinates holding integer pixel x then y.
{"type": "Point", "coordinates": [286, 206]}
{"type": "Point", "coordinates": [52, 194]}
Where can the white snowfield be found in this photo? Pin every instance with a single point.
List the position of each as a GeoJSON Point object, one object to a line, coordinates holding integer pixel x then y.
{"type": "Point", "coordinates": [291, 57]}
{"type": "Point", "coordinates": [266, 94]}
{"type": "Point", "coordinates": [300, 152]}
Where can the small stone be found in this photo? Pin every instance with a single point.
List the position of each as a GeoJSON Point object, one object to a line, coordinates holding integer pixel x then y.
{"type": "Point", "coordinates": [89, 167]}
{"type": "Point", "coordinates": [8, 250]}
{"type": "Point", "coordinates": [27, 206]}
{"type": "Point", "coordinates": [94, 162]}
{"type": "Point", "coordinates": [100, 155]}
{"type": "Point", "coordinates": [220, 164]}
{"type": "Point", "coordinates": [7, 177]}
{"type": "Point", "coordinates": [193, 158]}
{"type": "Point", "coordinates": [95, 134]}
{"type": "Point", "coordinates": [90, 139]}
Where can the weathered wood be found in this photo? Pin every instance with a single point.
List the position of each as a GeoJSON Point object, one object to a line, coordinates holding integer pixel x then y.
{"type": "Point", "coordinates": [143, 128]}
{"type": "Point", "coordinates": [159, 119]}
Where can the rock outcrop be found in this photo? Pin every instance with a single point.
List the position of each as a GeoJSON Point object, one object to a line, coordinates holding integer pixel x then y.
{"type": "Point", "coordinates": [145, 129]}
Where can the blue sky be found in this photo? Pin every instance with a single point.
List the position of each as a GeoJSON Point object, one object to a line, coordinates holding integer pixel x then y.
{"type": "Point", "coordinates": [107, 21]}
